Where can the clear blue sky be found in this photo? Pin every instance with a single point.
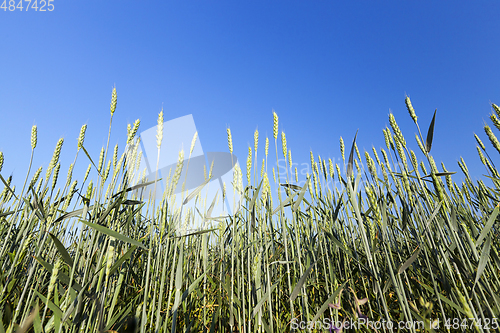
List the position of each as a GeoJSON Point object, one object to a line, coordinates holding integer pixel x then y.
{"type": "Point", "coordinates": [328, 68]}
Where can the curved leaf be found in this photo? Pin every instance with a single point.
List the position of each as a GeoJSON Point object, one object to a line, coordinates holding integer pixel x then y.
{"type": "Point", "coordinates": [430, 134]}
{"type": "Point", "coordinates": [113, 233]}
{"type": "Point", "coordinates": [351, 157]}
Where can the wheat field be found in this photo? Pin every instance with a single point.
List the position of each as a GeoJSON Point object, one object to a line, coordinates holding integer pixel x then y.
{"type": "Point", "coordinates": [384, 238]}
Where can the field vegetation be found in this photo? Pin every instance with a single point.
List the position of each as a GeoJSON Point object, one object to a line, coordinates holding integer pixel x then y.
{"type": "Point", "coordinates": [392, 238]}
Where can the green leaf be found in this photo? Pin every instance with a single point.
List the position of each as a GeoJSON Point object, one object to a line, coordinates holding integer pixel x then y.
{"type": "Point", "coordinates": [255, 195]}
{"type": "Point", "coordinates": [7, 213]}
{"type": "Point", "coordinates": [430, 134]}
{"type": "Point", "coordinates": [72, 214]}
{"type": "Point", "coordinates": [178, 273]}
{"type": "Point", "coordinates": [63, 277]}
{"type": "Point", "coordinates": [193, 285]}
{"type": "Point", "coordinates": [439, 174]}
{"type": "Point", "coordinates": [115, 204]}
{"type": "Point", "coordinates": [301, 282]}
{"type": "Point", "coordinates": [488, 226]}
{"type": "Point", "coordinates": [347, 251]}
{"type": "Point", "coordinates": [284, 203]}
{"type": "Point", "coordinates": [351, 158]}
{"type": "Point", "coordinates": [131, 202]}
{"type": "Point", "coordinates": [485, 255]}
{"type": "Point", "coordinates": [37, 322]}
{"type": "Point", "coordinates": [409, 261]}
{"type": "Point", "coordinates": [62, 250]}
{"type": "Point", "coordinates": [7, 186]}
{"type": "Point", "coordinates": [263, 299]}
{"type": "Point", "coordinates": [39, 211]}
{"type": "Point", "coordinates": [90, 158]}
{"type": "Point", "coordinates": [291, 186]}
{"type": "Point", "coordinates": [444, 299]}
{"type": "Point", "coordinates": [199, 232]}
{"type": "Point", "coordinates": [114, 234]}
{"type": "Point", "coordinates": [120, 261]}
{"type": "Point", "coordinates": [453, 219]}
{"type": "Point", "coordinates": [57, 311]}
{"type": "Point", "coordinates": [135, 187]}
{"type": "Point", "coordinates": [433, 215]}
{"type": "Point", "coordinates": [123, 313]}
{"type": "Point", "coordinates": [328, 301]}
{"type": "Point", "coordinates": [301, 194]}
{"type": "Point", "coordinates": [281, 262]}
{"type": "Point", "coordinates": [195, 192]}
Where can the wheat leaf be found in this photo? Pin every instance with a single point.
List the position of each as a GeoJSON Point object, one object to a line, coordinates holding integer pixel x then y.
{"type": "Point", "coordinates": [351, 157]}
{"type": "Point", "coordinates": [430, 134]}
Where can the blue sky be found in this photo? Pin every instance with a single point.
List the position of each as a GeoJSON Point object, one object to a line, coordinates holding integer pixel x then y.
{"type": "Point", "coordinates": [328, 68]}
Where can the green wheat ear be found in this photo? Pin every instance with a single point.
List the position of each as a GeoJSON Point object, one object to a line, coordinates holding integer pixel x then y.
{"type": "Point", "coordinates": [357, 151]}
{"type": "Point", "coordinates": [81, 137]}
{"type": "Point", "coordinates": [133, 131]}
{"type": "Point", "coordinates": [376, 155]}
{"type": "Point", "coordinates": [481, 156]}
{"type": "Point", "coordinates": [249, 164]}
{"type": "Point", "coordinates": [342, 148]}
{"type": "Point", "coordinates": [496, 108]}
{"type": "Point", "coordinates": [371, 165]}
{"type": "Point", "coordinates": [53, 277]}
{"type": "Point", "coordinates": [56, 175]}
{"type": "Point", "coordinates": [330, 168]}
{"type": "Point", "coordinates": [495, 121]}
{"type": "Point", "coordinates": [256, 140]}
{"type": "Point", "coordinates": [283, 143]}
{"type": "Point", "coordinates": [420, 145]}
{"type": "Point", "coordinates": [55, 158]}
{"type": "Point", "coordinates": [396, 130]}
{"type": "Point", "coordinates": [229, 140]}
{"type": "Point", "coordinates": [267, 146]}
{"type": "Point", "coordinates": [178, 170]}
{"type": "Point", "coordinates": [87, 173]}
{"type": "Point", "coordinates": [410, 109]}
{"type": "Point", "coordinates": [193, 142]}
{"type": "Point", "coordinates": [70, 174]}
{"type": "Point", "coordinates": [480, 143]}
{"type": "Point", "coordinates": [1, 160]}
{"type": "Point", "coordinates": [101, 159]}
{"type": "Point", "coordinates": [115, 156]}
{"type": "Point", "coordinates": [389, 142]}
{"type": "Point", "coordinates": [492, 137]}
{"type": "Point", "coordinates": [275, 125]}
{"type": "Point", "coordinates": [33, 136]}
{"type": "Point", "coordinates": [414, 161]}
{"type": "Point", "coordinates": [113, 101]}
{"type": "Point", "coordinates": [159, 129]}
